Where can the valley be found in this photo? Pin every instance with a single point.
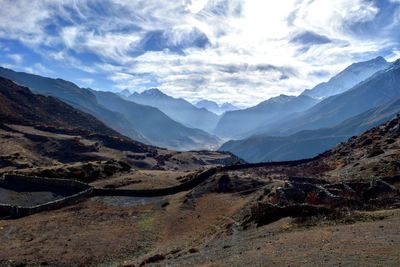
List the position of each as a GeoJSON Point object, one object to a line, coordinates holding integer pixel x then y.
{"type": "Point", "coordinates": [199, 133]}
{"type": "Point", "coordinates": [237, 212]}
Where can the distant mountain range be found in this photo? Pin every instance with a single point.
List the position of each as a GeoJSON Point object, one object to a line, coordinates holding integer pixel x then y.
{"type": "Point", "coordinates": [280, 128]}
{"type": "Point", "coordinates": [309, 143]}
{"type": "Point", "coordinates": [258, 119]}
{"type": "Point", "coordinates": [215, 107]}
{"type": "Point", "coordinates": [381, 87]}
{"type": "Point", "coordinates": [161, 130]}
{"type": "Point", "coordinates": [329, 122]}
{"type": "Point", "coordinates": [156, 126]}
{"type": "Point", "coordinates": [178, 109]}
{"type": "Point", "coordinates": [347, 78]}
{"type": "Point", "coordinates": [241, 123]}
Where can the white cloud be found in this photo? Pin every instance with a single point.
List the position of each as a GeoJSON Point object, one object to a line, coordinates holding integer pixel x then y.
{"type": "Point", "coordinates": [17, 58]}
{"type": "Point", "coordinates": [86, 81]}
{"type": "Point", "coordinates": [249, 56]}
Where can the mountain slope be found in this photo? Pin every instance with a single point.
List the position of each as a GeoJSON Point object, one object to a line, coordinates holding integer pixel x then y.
{"type": "Point", "coordinates": [240, 123]}
{"type": "Point", "coordinates": [348, 78]}
{"type": "Point", "coordinates": [382, 87]}
{"type": "Point", "coordinates": [77, 97]}
{"type": "Point", "coordinates": [44, 136]}
{"type": "Point", "coordinates": [162, 130]}
{"type": "Point", "coordinates": [375, 153]}
{"type": "Point", "coordinates": [41, 130]}
{"type": "Point", "coordinates": [158, 128]}
{"type": "Point", "coordinates": [309, 143]}
{"type": "Point", "coordinates": [178, 109]}
{"type": "Point", "coordinates": [214, 107]}
{"type": "Point", "coordinates": [19, 106]}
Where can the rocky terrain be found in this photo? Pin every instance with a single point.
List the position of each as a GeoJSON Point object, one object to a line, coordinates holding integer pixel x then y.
{"type": "Point", "coordinates": [340, 208]}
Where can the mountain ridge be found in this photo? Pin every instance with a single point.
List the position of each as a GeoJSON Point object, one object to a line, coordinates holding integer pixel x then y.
{"type": "Point", "coordinates": [347, 78]}
{"type": "Point", "coordinates": [215, 107]}
{"type": "Point", "coordinates": [87, 101]}
{"type": "Point", "coordinates": [381, 87]}
{"type": "Point", "coordinates": [240, 123]}
{"type": "Point", "coordinates": [309, 143]}
{"type": "Point", "coordinates": [173, 134]}
{"type": "Point", "coordinates": [178, 109]}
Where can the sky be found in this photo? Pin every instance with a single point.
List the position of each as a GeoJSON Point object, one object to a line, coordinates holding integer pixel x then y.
{"type": "Point", "coordinates": [238, 51]}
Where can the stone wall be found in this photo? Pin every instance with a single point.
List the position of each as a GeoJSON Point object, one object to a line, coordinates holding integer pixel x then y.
{"type": "Point", "coordinates": [198, 179]}
{"type": "Point", "coordinates": [87, 191]}
{"type": "Point", "coordinates": [84, 191]}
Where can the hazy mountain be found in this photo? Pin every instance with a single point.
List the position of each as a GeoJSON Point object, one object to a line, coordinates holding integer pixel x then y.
{"type": "Point", "coordinates": [124, 93]}
{"type": "Point", "coordinates": [240, 123]}
{"type": "Point", "coordinates": [382, 87]}
{"type": "Point", "coordinates": [309, 143]}
{"type": "Point", "coordinates": [178, 109]}
{"type": "Point", "coordinates": [161, 130]}
{"type": "Point", "coordinates": [157, 127]}
{"type": "Point", "coordinates": [348, 78]}
{"type": "Point", "coordinates": [214, 107]}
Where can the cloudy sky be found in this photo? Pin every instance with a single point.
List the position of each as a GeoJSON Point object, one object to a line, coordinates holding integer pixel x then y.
{"type": "Point", "coordinates": [241, 51]}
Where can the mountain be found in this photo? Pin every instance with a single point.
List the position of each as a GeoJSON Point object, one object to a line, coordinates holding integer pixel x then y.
{"type": "Point", "coordinates": [373, 154]}
{"type": "Point", "coordinates": [309, 143]}
{"type": "Point", "coordinates": [162, 130]}
{"type": "Point", "coordinates": [41, 130]}
{"type": "Point", "coordinates": [125, 93]}
{"type": "Point", "coordinates": [18, 105]}
{"type": "Point", "coordinates": [382, 87]}
{"type": "Point", "coordinates": [240, 123]}
{"type": "Point", "coordinates": [214, 107]}
{"type": "Point", "coordinates": [157, 127]}
{"type": "Point", "coordinates": [178, 109]}
{"type": "Point", "coordinates": [44, 136]}
{"type": "Point", "coordinates": [75, 96]}
{"type": "Point", "coordinates": [347, 78]}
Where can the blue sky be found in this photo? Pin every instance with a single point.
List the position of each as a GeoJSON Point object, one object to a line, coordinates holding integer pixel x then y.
{"type": "Point", "coordinates": [239, 51]}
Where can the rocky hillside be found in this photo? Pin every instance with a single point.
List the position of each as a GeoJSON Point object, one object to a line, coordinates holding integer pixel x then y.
{"type": "Point", "coordinates": [375, 153]}
{"type": "Point", "coordinates": [75, 96]}
{"type": "Point", "coordinates": [18, 105]}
